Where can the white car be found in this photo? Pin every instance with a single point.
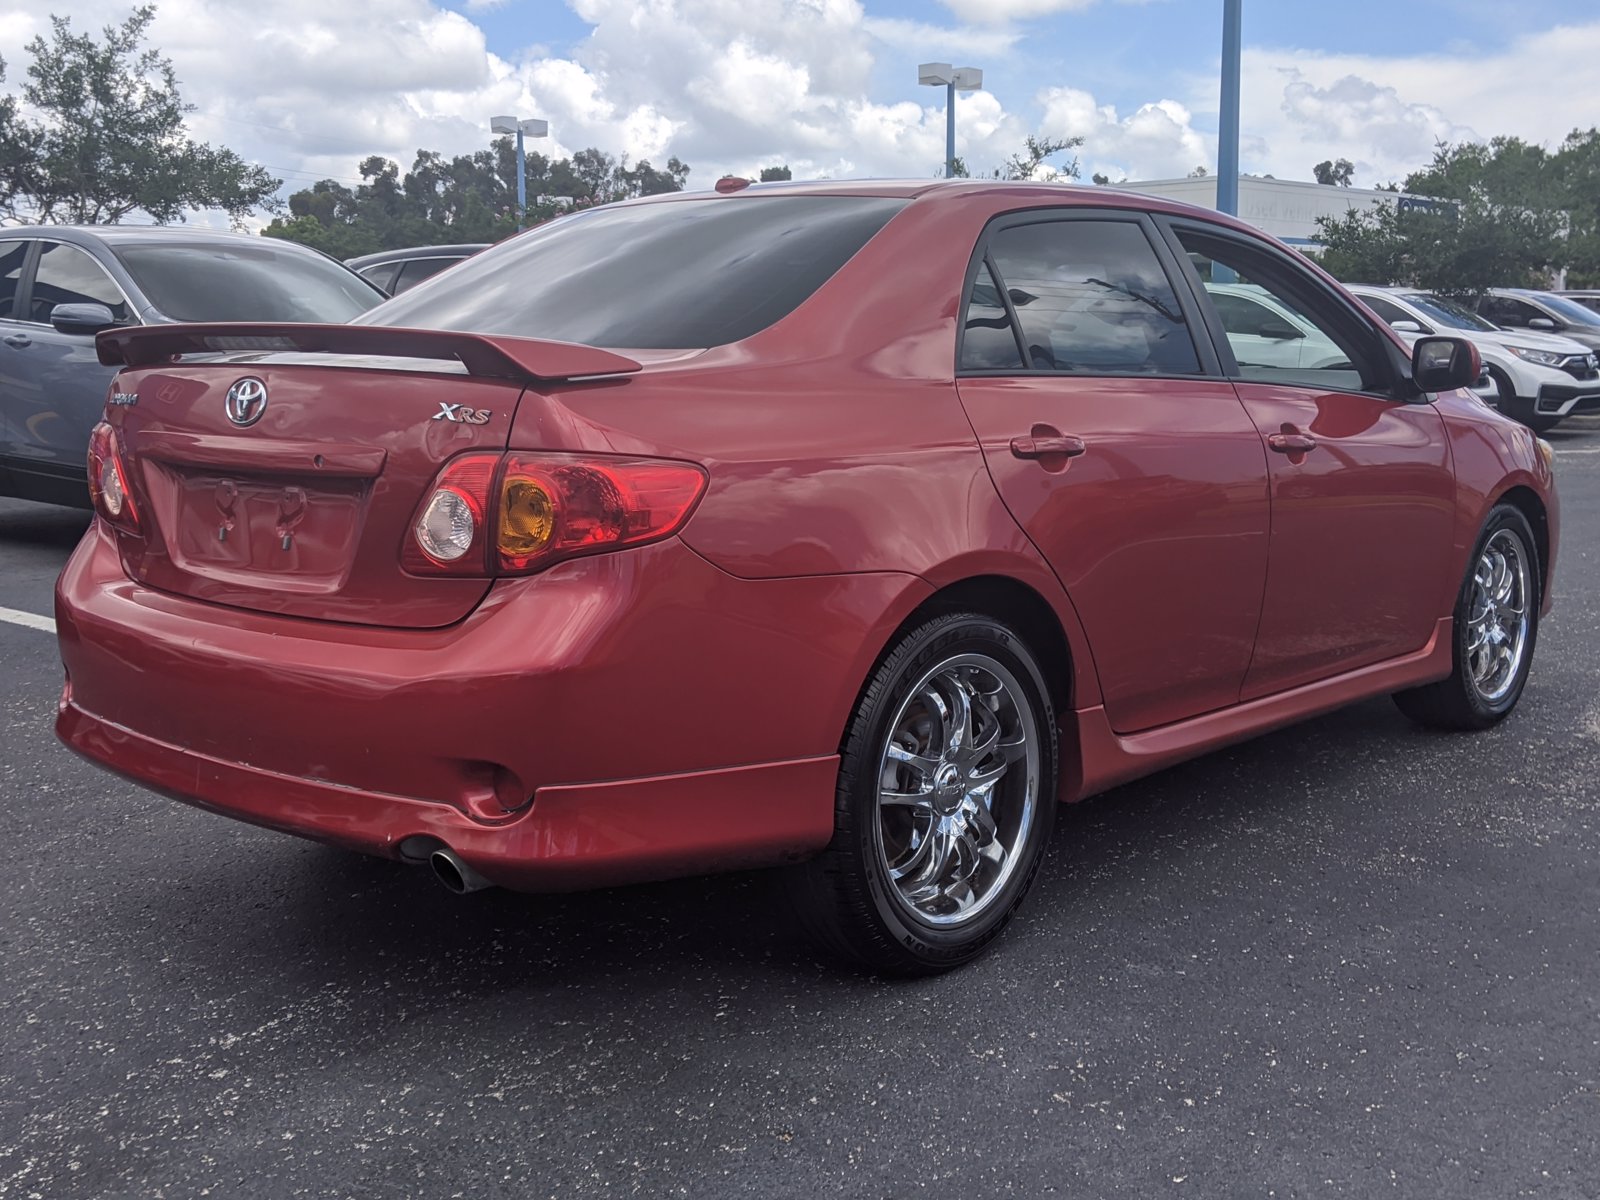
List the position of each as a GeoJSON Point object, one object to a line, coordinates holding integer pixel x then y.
{"type": "Point", "coordinates": [1537, 378]}
{"type": "Point", "coordinates": [1265, 333]}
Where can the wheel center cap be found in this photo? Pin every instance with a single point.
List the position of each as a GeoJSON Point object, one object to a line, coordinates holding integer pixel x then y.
{"type": "Point", "coordinates": [949, 788]}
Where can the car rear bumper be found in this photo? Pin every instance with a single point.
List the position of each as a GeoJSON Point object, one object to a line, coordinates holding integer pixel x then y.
{"type": "Point", "coordinates": [641, 714]}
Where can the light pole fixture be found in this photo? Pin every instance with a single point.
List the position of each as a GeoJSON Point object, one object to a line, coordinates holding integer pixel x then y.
{"type": "Point", "coordinates": [953, 80]}
{"type": "Point", "coordinates": [533, 127]}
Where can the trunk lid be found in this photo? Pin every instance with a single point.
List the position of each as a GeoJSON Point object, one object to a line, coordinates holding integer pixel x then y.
{"type": "Point", "coordinates": [296, 496]}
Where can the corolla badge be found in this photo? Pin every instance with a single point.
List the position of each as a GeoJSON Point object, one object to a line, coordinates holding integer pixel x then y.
{"type": "Point", "coordinates": [247, 400]}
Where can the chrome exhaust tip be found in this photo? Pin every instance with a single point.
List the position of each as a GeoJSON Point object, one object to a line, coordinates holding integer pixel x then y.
{"type": "Point", "coordinates": [456, 875]}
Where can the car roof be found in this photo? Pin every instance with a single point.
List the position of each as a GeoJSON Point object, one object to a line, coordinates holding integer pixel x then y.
{"type": "Point", "coordinates": [123, 234]}
{"type": "Point", "coordinates": [953, 190]}
{"type": "Point", "coordinates": [453, 250]}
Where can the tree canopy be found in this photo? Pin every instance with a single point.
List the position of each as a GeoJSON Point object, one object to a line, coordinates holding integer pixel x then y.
{"type": "Point", "coordinates": [109, 139]}
{"type": "Point", "coordinates": [1335, 173]}
{"type": "Point", "coordinates": [468, 198]}
{"type": "Point", "coordinates": [1508, 213]}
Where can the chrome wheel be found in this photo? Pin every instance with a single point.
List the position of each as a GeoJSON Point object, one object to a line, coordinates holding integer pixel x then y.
{"type": "Point", "coordinates": [957, 787]}
{"type": "Point", "coordinates": [1498, 619]}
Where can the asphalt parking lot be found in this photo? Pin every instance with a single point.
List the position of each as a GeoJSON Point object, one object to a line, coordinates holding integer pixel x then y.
{"type": "Point", "coordinates": [1348, 959]}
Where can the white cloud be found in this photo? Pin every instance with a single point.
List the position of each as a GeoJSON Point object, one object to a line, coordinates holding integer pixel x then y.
{"type": "Point", "coordinates": [1155, 141]}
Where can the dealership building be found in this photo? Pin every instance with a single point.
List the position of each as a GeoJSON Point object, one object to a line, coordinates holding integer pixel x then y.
{"type": "Point", "coordinates": [1286, 209]}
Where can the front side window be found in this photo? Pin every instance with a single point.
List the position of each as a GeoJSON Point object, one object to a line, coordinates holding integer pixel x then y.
{"type": "Point", "coordinates": [1511, 314]}
{"type": "Point", "coordinates": [1092, 298]}
{"type": "Point", "coordinates": [1389, 311]}
{"type": "Point", "coordinates": [381, 275]}
{"type": "Point", "coordinates": [12, 255]}
{"type": "Point", "coordinates": [66, 275]}
{"type": "Point", "coordinates": [1444, 311]}
{"type": "Point", "coordinates": [246, 279]}
{"type": "Point", "coordinates": [673, 275]}
{"type": "Point", "coordinates": [1306, 337]}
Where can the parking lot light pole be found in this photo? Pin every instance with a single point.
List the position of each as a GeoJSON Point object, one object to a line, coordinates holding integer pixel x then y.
{"type": "Point", "coordinates": [533, 127]}
{"type": "Point", "coordinates": [1228, 130]}
{"type": "Point", "coordinates": [953, 80]}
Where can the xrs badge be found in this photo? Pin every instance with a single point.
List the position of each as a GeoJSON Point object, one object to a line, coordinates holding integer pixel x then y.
{"type": "Point", "coordinates": [461, 414]}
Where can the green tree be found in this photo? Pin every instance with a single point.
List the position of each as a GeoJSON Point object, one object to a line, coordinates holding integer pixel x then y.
{"type": "Point", "coordinates": [1036, 153]}
{"type": "Point", "coordinates": [775, 174]}
{"type": "Point", "coordinates": [1335, 174]}
{"type": "Point", "coordinates": [1460, 248]}
{"type": "Point", "coordinates": [110, 140]}
{"type": "Point", "coordinates": [468, 198]}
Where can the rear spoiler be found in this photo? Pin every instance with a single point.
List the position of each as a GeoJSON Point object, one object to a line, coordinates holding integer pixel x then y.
{"type": "Point", "coordinates": [482, 354]}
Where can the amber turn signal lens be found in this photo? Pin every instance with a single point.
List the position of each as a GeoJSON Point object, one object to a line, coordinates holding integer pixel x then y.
{"type": "Point", "coordinates": [527, 518]}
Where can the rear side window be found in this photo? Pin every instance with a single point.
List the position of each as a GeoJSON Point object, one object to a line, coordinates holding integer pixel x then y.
{"type": "Point", "coordinates": [66, 275]}
{"type": "Point", "coordinates": [418, 269]}
{"type": "Point", "coordinates": [681, 274]}
{"type": "Point", "coordinates": [988, 338]}
{"type": "Point", "coordinates": [381, 275]}
{"type": "Point", "coordinates": [247, 280]}
{"type": "Point", "coordinates": [12, 256]}
{"type": "Point", "coordinates": [1092, 298]}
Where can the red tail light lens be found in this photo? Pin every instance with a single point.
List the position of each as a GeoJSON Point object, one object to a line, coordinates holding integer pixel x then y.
{"type": "Point", "coordinates": [108, 480]}
{"type": "Point", "coordinates": [517, 513]}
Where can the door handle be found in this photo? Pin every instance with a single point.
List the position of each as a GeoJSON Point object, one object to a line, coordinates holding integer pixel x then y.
{"type": "Point", "coordinates": [18, 341]}
{"type": "Point", "coordinates": [1064, 445]}
{"type": "Point", "coordinates": [1291, 443]}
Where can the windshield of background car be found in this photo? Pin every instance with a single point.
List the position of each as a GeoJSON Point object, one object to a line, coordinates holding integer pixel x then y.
{"type": "Point", "coordinates": [1571, 311]}
{"type": "Point", "coordinates": [1445, 311]}
{"type": "Point", "coordinates": [672, 276]}
{"type": "Point", "coordinates": [213, 282]}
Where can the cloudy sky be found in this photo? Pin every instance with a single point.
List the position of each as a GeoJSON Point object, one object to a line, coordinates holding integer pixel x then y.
{"type": "Point", "coordinates": [309, 87]}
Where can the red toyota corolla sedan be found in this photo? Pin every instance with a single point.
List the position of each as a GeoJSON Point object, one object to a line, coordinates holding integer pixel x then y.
{"type": "Point", "coordinates": [842, 526]}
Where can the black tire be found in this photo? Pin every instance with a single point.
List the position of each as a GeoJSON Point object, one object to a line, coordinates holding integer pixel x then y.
{"type": "Point", "coordinates": [1521, 411]}
{"type": "Point", "coordinates": [1457, 703]}
{"type": "Point", "coordinates": [845, 898]}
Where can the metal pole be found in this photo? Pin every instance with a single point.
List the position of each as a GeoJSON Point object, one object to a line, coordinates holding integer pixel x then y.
{"type": "Point", "coordinates": [950, 130]}
{"type": "Point", "coordinates": [522, 182]}
{"type": "Point", "coordinates": [1228, 132]}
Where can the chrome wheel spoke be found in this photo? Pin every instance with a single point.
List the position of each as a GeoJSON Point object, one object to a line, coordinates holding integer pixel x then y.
{"type": "Point", "coordinates": [919, 856]}
{"type": "Point", "coordinates": [921, 798]}
{"type": "Point", "coordinates": [920, 763]}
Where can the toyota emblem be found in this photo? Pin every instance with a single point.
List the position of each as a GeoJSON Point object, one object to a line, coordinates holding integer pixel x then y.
{"type": "Point", "coordinates": [247, 400]}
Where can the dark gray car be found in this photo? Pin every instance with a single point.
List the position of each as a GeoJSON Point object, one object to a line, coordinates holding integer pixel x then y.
{"type": "Point", "coordinates": [1541, 312]}
{"type": "Point", "coordinates": [60, 285]}
{"type": "Point", "coordinates": [396, 270]}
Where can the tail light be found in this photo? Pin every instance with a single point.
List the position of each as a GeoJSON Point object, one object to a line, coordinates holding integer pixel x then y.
{"type": "Point", "coordinates": [108, 480]}
{"type": "Point", "coordinates": [517, 513]}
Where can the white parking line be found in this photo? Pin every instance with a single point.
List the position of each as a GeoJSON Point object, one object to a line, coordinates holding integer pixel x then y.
{"type": "Point", "coordinates": [27, 619]}
{"type": "Point", "coordinates": [1591, 450]}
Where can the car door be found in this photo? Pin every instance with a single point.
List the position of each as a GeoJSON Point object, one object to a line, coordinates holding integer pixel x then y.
{"type": "Point", "coordinates": [1117, 446]}
{"type": "Point", "coordinates": [16, 338]}
{"type": "Point", "coordinates": [63, 384]}
{"type": "Point", "coordinates": [1363, 492]}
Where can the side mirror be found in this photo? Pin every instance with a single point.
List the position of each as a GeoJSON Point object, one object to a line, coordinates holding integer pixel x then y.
{"type": "Point", "coordinates": [1405, 327]}
{"type": "Point", "coordinates": [1281, 331]}
{"type": "Point", "coordinates": [81, 318]}
{"type": "Point", "coordinates": [1544, 323]}
{"type": "Point", "coordinates": [1443, 364]}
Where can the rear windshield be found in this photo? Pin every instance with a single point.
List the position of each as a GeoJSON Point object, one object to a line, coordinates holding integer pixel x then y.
{"type": "Point", "coordinates": [245, 282]}
{"type": "Point", "coordinates": [674, 275]}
